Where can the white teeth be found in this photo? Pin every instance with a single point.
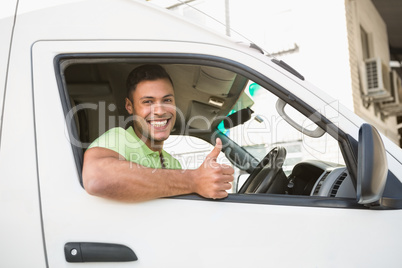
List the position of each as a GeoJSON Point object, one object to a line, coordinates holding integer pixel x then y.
{"type": "Point", "coordinates": [158, 123]}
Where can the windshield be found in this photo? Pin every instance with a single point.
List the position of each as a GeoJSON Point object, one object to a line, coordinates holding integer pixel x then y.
{"type": "Point", "coordinates": [267, 129]}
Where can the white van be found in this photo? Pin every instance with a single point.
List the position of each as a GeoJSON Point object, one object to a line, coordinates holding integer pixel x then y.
{"type": "Point", "coordinates": [323, 192]}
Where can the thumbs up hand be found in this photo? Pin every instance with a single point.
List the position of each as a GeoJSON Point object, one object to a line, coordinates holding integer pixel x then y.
{"type": "Point", "coordinates": [213, 155]}
{"type": "Point", "coordinates": [211, 178]}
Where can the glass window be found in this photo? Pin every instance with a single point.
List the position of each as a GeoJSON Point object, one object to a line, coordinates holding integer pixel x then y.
{"type": "Point", "coordinates": [365, 43]}
{"type": "Point", "coordinates": [204, 96]}
{"type": "Point", "coordinates": [267, 129]}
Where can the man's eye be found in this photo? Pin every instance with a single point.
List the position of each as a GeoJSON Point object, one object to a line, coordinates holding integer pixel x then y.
{"type": "Point", "coordinates": [168, 100]}
{"type": "Point", "coordinates": [147, 102]}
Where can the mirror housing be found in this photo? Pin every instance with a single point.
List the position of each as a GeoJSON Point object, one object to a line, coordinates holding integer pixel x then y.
{"type": "Point", "coordinates": [372, 166]}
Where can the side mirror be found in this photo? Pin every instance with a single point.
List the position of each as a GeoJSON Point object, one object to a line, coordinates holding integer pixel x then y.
{"type": "Point", "coordinates": [372, 166]}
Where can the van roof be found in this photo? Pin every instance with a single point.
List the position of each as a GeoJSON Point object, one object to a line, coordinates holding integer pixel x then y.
{"type": "Point", "coordinates": [108, 20]}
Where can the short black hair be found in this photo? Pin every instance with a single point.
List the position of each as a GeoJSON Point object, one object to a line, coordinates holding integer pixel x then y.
{"type": "Point", "coordinates": [147, 72]}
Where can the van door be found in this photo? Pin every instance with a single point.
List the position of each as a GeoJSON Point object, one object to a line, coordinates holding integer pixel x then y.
{"type": "Point", "coordinates": [241, 231]}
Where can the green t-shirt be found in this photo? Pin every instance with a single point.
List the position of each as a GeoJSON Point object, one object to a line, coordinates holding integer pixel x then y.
{"type": "Point", "coordinates": [127, 144]}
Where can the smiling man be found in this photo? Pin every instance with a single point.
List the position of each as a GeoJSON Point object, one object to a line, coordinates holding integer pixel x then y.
{"type": "Point", "coordinates": [150, 99]}
{"type": "Point", "coordinates": [131, 165]}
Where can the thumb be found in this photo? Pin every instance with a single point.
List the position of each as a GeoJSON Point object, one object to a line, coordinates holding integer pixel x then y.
{"type": "Point", "coordinates": [217, 149]}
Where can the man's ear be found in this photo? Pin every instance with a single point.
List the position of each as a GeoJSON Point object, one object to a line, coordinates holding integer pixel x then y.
{"type": "Point", "coordinates": [129, 106]}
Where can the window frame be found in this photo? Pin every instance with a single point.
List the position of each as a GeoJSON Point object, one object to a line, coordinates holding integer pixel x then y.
{"type": "Point", "coordinates": [347, 144]}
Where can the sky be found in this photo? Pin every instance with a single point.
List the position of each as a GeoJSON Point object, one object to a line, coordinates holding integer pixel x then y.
{"type": "Point", "coordinates": [315, 28]}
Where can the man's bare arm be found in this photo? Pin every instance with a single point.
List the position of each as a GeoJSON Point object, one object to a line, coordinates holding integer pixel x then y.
{"type": "Point", "coordinates": [106, 175]}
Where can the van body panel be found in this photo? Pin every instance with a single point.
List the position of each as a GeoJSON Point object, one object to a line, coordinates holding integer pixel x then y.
{"type": "Point", "coordinates": [44, 206]}
{"type": "Point", "coordinates": [7, 12]}
{"type": "Point", "coordinates": [21, 234]}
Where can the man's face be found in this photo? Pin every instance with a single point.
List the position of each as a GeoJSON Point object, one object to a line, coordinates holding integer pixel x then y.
{"type": "Point", "coordinates": [154, 111]}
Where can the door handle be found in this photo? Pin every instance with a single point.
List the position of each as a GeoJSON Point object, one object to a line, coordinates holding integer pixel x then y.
{"type": "Point", "coordinates": [98, 252]}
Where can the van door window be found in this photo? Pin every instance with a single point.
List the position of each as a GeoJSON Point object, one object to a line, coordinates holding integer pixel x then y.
{"type": "Point", "coordinates": [312, 163]}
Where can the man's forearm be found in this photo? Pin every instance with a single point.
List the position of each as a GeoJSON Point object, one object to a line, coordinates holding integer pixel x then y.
{"type": "Point", "coordinates": [107, 174]}
{"type": "Point", "coordinates": [126, 181]}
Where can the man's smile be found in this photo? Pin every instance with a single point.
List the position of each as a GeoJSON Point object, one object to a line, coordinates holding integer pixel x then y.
{"type": "Point", "coordinates": [159, 123]}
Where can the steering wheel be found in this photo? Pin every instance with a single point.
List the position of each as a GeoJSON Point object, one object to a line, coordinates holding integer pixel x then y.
{"type": "Point", "coordinates": [268, 174]}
